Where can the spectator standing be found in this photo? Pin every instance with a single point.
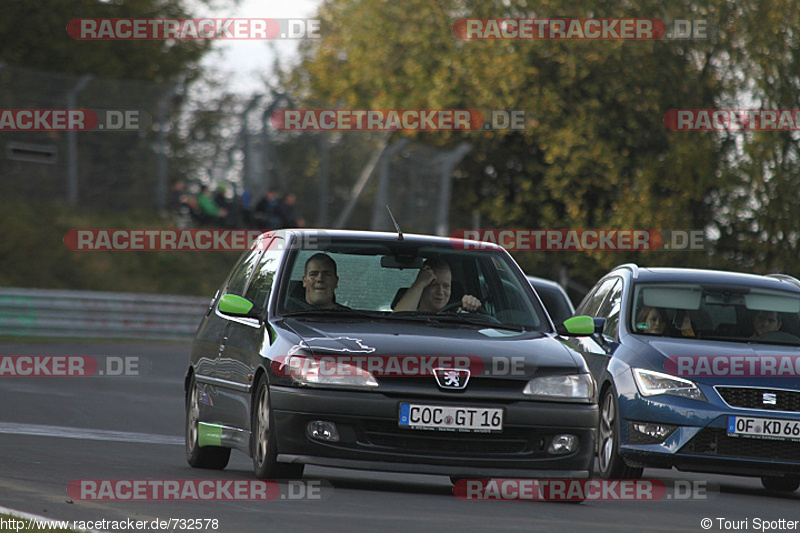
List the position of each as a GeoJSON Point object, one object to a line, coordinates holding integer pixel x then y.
{"type": "Point", "coordinates": [286, 212]}
{"type": "Point", "coordinates": [266, 211]}
{"type": "Point", "coordinates": [209, 210]}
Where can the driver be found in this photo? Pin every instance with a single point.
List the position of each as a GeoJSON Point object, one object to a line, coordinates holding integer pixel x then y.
{"type": "Point", "coordinates": [320, 281]}
{"type": "Point", "coordinates": [765, 322]}
{"type": "Point", "coordinates": [430, 292]}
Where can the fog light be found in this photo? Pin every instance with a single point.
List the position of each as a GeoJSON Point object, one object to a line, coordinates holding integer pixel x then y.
{"type": "Point", "coordinates": [321, 430]}
{"type": "Point", "coordinates": [654, 431]}
{"type": "Point", "coordinates": [563, 444]}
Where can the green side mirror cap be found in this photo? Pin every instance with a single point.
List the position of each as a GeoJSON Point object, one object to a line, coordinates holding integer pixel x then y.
{"type": "Point", "coordinates": [230, 304]}
{"type": "Point", "coordinates": [577, 325]}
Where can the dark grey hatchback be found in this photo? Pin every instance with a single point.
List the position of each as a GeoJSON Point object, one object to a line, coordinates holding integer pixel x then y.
{"type": "Point", "coordinates": [387, 352]}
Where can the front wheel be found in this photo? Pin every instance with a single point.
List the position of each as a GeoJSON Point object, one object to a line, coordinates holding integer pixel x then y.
{"type": "Point", "coordinates": [211, 457]}
{"type": "Point", "coordinates": [263, 443]}
{"type": "Point", "coordinates": [610, 464]}
{"type": "Point", "coordinates": [782, 484]}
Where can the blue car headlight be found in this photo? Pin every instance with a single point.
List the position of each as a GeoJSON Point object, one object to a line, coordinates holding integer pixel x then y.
{"type": "Point", "coordinates": [652, 383]}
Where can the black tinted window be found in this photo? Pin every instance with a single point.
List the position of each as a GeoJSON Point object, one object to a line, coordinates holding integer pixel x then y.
{"type": "Point", "coordinates": [241, 274]}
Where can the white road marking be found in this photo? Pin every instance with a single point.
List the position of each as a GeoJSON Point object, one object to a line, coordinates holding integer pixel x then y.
{"type": "Point", "coordinates": [11, 428]}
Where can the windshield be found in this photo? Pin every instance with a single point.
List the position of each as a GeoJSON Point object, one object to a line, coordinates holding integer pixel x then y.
{"type": "Point", "coordinates": [374, 277]}
{"type": "Point", "coordinates": [720, 312]}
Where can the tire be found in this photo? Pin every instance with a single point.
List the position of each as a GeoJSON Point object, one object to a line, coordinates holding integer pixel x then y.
{"type": "Point", "coordinates": [263, 444]}
{"type": "Point", "coordinates": [210, 457]}
{"type": "Point", "coordinates": [783, 484]}
{"type": "Point", "coordinates": [610, 464]}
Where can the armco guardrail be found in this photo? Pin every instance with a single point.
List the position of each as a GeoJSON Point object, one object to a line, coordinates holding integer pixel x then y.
{"type": "Point", "coordinates": [65, 313]}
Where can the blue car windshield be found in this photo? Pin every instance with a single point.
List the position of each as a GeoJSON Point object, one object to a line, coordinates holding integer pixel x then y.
{"type": "Point", "coordinates": [730, 312]}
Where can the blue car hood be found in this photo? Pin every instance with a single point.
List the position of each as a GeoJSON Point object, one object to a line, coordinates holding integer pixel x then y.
{"type": "Point", "coordinates": [718, 362]}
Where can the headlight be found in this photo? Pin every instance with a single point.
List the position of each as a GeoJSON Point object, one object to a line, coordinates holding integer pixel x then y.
{"type": "Point", "coordinates": [572, 387]}
{"type": "Point", "coordinates": [327, 371]}
{"type": "Point", "coordinates": [652, 383]}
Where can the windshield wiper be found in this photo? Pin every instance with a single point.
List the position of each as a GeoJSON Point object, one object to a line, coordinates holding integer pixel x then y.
{"type": "Point", "coordinates": [478, 320]}
{"type": "Point", "coordinates": [333, 313]}
{"type": "Point", "coordinates": [413, 316]}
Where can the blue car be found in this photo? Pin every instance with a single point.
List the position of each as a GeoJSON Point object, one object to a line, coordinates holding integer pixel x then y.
{"type": "Point", "coordinates": [697, 370]}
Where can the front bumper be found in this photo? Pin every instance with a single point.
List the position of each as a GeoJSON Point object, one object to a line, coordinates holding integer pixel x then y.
{"type": "Point", "coordinates": [711, 450]}
{"type": "Point", "coordinates": [371, 439]}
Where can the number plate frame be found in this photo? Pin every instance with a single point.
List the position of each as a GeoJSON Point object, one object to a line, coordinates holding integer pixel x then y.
{"type": "Point", "coordinates": [763, 428]}
{"type": "Point", "coordinates": [451, 418]}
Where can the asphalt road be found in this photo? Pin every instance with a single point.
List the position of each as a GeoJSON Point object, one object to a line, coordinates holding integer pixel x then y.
{"type": "Point", "coordinates": [56, 430]}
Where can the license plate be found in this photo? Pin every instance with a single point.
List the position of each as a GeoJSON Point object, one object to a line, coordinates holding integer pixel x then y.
{"type": "Point", "coordinates": [763, 428]}
{"type": "Point", "coordinates": [440, 417]}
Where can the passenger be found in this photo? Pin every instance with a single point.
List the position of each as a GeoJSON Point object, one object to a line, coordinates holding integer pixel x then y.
{"type": "Point", "coordinates": [765, 322]}
{"type": "Point", "coordinates": [430, 292]}
{"type": "Point", "coordinates": [686, 329]}
{"type": "Point", "coordinates": [652, 320]}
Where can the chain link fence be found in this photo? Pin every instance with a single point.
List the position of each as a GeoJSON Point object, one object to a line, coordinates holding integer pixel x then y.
{"type": "Point", "coordinates": [340, 180]}
{"type": "Point", "coordinates": [114, 169]}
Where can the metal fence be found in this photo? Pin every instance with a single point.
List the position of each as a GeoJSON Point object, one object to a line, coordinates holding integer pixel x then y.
{"type": "Point", "coordinates": [341, 180]}
{"type": "Point", "coordinates": [95, 314]}
{"type": "Point", "coordinates": [114, 169]}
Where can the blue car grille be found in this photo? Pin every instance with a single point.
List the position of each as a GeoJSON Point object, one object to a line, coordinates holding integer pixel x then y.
{"type": "Point", "coordinates": [716, 442]}
{"type": "Point", "coordinates": [753, 398]}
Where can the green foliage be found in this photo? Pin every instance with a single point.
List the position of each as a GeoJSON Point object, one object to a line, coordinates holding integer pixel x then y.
{"type": "Point", "coordinates": [597, 153]}
{"type": "Point", "coordinates": [34, 34]}
{"type": "Point", "coordinates": [34, 254]}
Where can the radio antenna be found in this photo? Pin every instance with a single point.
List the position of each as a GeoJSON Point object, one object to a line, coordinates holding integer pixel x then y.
{"type": "Point", "coordinates": [396, 225]}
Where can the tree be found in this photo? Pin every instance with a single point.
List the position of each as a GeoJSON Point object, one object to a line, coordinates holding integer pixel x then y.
{"type": "Point", "coordinates": [34, 34]}
{"type": "Point", "coordinates": [596, 153]}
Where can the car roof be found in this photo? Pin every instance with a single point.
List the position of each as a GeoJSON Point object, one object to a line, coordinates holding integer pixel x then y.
{"type": "Point", "coordinates": [696, 275]}
{"type": "Point", "coordinates": [381, 236]}
{"type": "Point", "coordinates": [544, 282]}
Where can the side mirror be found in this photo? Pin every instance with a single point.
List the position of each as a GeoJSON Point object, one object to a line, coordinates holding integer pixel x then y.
{"type": "Point", "coordinates": [231, 304]}
{"type": "Point", "coordinates": [599, 325]}
{"type": "Point", "coordinates": [578, 326]}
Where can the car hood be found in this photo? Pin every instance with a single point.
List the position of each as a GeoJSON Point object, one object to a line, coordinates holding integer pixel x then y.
{"type": "Point", "coordinates": [694, 359]}
{"type": "Point", "coordinates": [540, 352]}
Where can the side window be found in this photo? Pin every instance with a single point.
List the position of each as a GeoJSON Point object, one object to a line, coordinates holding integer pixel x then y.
{"type": "Point", "coordinates": [261, 285]}
{"type": "Point", "coordinates": [591, 304]}
{"type": "Point", "coordinates": [610, 310]}
{"type": "Point", "coordinates": [242, 273]}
